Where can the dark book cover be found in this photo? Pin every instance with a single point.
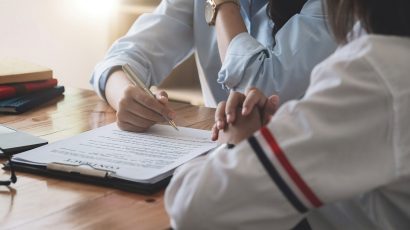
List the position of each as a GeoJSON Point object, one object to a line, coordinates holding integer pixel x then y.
{"type": "Point", "coordinates": [18, 89]}
{"type": "Point", "coordinates": [26, 102]}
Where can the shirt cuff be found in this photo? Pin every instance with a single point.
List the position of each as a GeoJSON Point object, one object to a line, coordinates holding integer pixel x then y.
{"type": "Point", "coordinates": [241, 52]}
{"type": "Point", "coordinates": [102, 83]}
{"type": "Point", "coordinates": [103, 71]}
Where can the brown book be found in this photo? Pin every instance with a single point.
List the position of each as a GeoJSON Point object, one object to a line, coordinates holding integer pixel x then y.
{"type": "Point", "coordinates": [15, 71]}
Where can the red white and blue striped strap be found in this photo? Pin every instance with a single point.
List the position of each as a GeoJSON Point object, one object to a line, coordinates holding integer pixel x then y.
{"type": "Point", "coordinates": [275, 174]}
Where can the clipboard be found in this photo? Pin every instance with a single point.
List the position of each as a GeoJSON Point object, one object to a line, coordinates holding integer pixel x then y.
{"type": "Point", "coordinates": [95, 177]}
{"type": "Point", "coordinates": [108, 156]}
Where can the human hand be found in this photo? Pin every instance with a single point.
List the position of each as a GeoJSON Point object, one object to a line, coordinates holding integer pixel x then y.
{"type": "Point", "coordinates": [137, 111]}
{"type": "Point", "coordinates": [242, 128]}
{"type": "Point", "coordinates": [227, 112]}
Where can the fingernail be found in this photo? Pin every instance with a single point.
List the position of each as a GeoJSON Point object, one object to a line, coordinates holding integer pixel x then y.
{"type": "Point", "coordinates": [244, 110]}
{"type": "Point", "coordinates": [228, 118]}
{"type": "Point", "coordinates": [213, 138]}
{"type": "Point", "coordinates": [219, 124]}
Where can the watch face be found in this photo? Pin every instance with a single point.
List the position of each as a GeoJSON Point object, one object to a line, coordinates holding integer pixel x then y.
{"type": "Point", "coordinates": [209, 12]}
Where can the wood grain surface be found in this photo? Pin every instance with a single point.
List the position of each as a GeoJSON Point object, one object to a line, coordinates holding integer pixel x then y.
{"type": "Point", "coordinates": [38, 202]}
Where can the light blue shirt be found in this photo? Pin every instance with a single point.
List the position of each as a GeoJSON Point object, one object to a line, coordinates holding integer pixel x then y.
{"type": "Point", "coordinates": [159, 41]}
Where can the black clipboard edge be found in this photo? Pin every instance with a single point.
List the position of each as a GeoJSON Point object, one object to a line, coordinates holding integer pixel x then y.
{"type": "Point", "coordinates": [16, 150]}
{"type": "Point", "coordinates": [125, 185]}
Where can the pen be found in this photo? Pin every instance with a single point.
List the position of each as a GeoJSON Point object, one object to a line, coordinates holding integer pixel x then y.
{"type": "Point", "coordinates": [134, 79]}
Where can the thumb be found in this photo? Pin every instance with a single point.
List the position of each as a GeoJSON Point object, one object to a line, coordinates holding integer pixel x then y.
{"type": "Point", "coordinates": [274, 101]}
{"type": "Point", "coordinates": [272, 104]}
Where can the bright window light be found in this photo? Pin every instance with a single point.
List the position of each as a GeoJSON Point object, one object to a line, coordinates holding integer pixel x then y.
{"type": "Point", "coordinates": [97, 8]}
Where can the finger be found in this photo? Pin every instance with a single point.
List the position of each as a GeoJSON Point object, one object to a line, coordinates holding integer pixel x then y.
{"type": "Point", "coordinates": [266, 119]}
{"type": "Point", "coordinates": [254, 97]}
{"type": "Point", "coordinates": [271, 104]}
{"type": "Point", "coordinates": [149, 102]}
{"type": "Point", "coordinates": [270, 108]}
{"type": "Point", "coordinates": [215, 132]}
{"type": "Point", "coordinates": [132, 125]}
{"type": "Point", "coordinates": [129, 127]}
{"type": "Point", "coordinates": [235, 100]}
{"type": "Point", "coordinates": [274, 99]}
{"type": "Point", "coordinates": [220, 117]}
{"type": "Point", "coordinates": [162, 97]}
{"type": "Point", "coordinates": [138, 123]}
{"type": "Point", "coordinates": [131, 106]}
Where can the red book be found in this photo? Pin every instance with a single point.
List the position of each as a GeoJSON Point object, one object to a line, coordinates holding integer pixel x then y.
{"type": "Point", "coordinates": [12, 90]}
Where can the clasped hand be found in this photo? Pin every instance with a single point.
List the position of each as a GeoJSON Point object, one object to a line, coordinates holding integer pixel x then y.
{"type": "Point", "coordinates": [242, 115]}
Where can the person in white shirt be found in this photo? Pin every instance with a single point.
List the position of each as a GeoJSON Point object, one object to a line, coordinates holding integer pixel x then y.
{"type": "Point", "coordinates": [339, 158]}
{"type": "Point", "coordinates": [158, 41]}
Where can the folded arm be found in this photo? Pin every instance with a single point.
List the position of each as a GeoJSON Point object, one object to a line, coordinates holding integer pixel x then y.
{"type": "Point", "coordinates": [283, 68]}
{"type": "Point", "coordinates": [322, 149]}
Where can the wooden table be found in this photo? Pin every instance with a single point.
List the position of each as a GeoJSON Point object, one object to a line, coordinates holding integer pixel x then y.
{"type": "Point", "coordinates": [37, 202]}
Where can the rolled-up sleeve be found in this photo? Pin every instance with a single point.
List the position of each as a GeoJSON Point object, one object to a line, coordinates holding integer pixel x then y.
{"type": "Point", "coordinates": [154, 45]}
{"type": "Point", "coordinates": [284, 68]}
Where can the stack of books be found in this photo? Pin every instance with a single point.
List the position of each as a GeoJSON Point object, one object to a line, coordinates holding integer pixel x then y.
{"type": "Point", "coordinates": [24, 86]}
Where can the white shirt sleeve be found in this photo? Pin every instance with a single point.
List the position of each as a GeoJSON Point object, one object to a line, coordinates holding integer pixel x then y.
{"type": "Point", "coordinates": [302, 43]}
{"type": "Point", "coordinates": [170, 26]}
{"type": "Point", "coordinates": [334, 144]}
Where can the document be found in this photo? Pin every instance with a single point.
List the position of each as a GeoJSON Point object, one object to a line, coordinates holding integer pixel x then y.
{"type": "Point", "coordinates": [5, 130]}
{"type": "Point", "coordinates": [141, 157]}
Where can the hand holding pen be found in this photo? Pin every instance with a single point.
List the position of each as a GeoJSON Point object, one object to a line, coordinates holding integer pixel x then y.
{"type": "Point", "coordinates": [140, 109]}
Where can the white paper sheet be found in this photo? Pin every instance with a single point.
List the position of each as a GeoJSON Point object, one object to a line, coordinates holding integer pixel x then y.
{"type": "Point", "coordinates": [132, 156]}
{"type": "Point", "coordinates": [5, 130]}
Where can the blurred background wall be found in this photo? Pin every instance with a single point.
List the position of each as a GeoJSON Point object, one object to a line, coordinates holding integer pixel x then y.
{"type": "Point", "coordinates": [69, 36]}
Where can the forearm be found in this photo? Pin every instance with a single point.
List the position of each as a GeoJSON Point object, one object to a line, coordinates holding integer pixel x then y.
{"type": "Point", "coordinates": [169, 32]}
{"type": "Point", "coordinates": [284, 69]}
{"type": "Point", "coordinates": [115, 88]}
{"type": "Point", "coordinates": [229, 23]}
{"type": "Point", "coordinates": [216, 190]}
{"type": "Point", "coordinates": [292, 167]}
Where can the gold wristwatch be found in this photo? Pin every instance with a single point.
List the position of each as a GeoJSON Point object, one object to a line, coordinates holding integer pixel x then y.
{"type": "Point", "coordinates": [211, 9]}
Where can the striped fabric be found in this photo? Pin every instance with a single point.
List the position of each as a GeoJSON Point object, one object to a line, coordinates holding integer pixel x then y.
{"type": "Point", "coordinates": [286, 183]}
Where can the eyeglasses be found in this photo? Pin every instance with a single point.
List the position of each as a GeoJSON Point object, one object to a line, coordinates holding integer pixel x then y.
{"type": "Point", "coordinates": [13, 177]}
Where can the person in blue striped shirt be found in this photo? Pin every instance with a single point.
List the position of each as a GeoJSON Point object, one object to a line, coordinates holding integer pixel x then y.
{"type": "Point", "coordinates": [338, 158]}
